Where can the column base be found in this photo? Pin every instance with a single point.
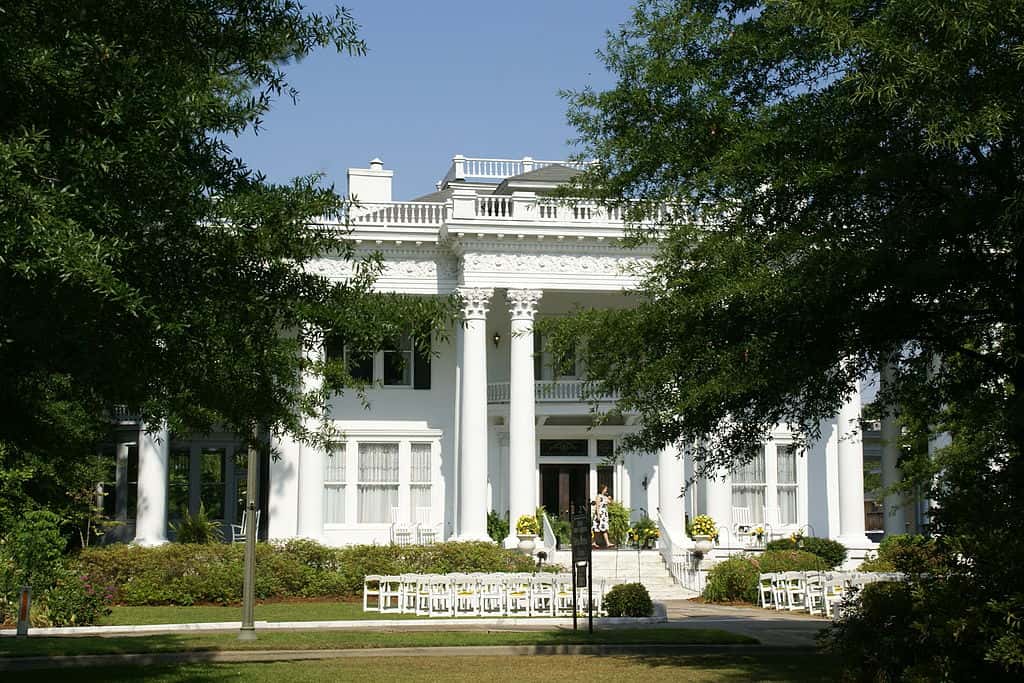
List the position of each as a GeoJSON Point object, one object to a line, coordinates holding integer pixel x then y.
{"type": "Point", "coordinates": [474, 538]}
{"type": "Point", "coordinates": [149, 542]}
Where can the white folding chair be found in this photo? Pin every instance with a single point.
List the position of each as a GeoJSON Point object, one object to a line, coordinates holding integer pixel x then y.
{"type": "Point", "coordinates": [465, 595]}
{"type": "Point", "coordinates": [542, 595]}
{"type": "Point", "coordinates": [440, 590]}
{"type": "Point", "coordinates": [814, 593]}
{"type": "Point", "coordinates": [563, 594]}
{"type": "Point", "coordinates": [492, 595]}
{"type": "Point", "coordinates": [410, 593]}
{"type": "Point", "coordinates": [795, 591]}
{"type": "Point", "coordinates": [371, 589]}
{"type": "Point", "coordinates": [391, 597]}
{"type": "Point", "coordinates": [766, 590]}
{"type": "Point", "coordinates": [517, 595]}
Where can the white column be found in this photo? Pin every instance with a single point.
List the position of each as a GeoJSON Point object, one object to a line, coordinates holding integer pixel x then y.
{"type": "Point", "coordinates": [670, 490]}
{"type": "Point", "coordinates": [473, 416]}
{"type": "Point", "coordinates": [151, 506]}
{"type": "Point", "coordinates": [895, 511]}
{"type": "Point", "coordinates": [522, 432]}
{"type": "Point", "coordinates": [283, 487]}
{"type": "Point", "coordinates": [311, 462]}
{"type": "Point", "coordinates": [850, 457]}
{"type": "Point", "coordinates": [719, 504]}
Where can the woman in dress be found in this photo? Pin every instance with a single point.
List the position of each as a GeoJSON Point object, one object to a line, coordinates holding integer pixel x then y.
{"type": "Point", "coordinates": [600, 524]}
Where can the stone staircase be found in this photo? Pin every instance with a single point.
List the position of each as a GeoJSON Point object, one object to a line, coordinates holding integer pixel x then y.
{"type": "Point", "coordinates": [621, 566]}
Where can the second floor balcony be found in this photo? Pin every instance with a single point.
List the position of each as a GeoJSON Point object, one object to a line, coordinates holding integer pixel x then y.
{"type": "Point", "coordinates": [558, 391]}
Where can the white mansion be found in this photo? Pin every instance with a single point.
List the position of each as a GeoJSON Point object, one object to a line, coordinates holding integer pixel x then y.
{"type": "Point", "coordinates": [483, 424]}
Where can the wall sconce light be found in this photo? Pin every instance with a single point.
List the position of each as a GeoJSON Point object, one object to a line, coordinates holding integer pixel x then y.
{"type": "Point", "coordinates": [496, 339]}
{"type": "Point", "coordinates": [644, 483]}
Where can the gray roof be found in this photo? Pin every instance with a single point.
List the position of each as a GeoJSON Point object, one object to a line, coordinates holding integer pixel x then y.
{"type": "Point", "coordinates": [555, 173]}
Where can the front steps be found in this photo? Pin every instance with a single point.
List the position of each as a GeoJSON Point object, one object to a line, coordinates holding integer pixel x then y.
{"type": "Point", "coordinates": [622, 566]}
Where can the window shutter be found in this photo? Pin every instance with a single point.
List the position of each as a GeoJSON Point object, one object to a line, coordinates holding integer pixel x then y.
{"type": "Point", "coordinates": [421, 368]}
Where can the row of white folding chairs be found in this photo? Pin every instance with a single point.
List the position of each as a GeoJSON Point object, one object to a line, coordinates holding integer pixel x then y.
{"type": "Point", "coordinates": [818, 593]}
{"type": "Point", "coordinates": [476, 594]}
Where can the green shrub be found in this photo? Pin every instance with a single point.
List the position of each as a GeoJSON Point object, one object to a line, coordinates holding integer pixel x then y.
{"type": "Point", "coordinates": [527, 525]}
{"type": "Point", "coordinates": [880, 608]}
{"type": "Point", "coordinates": [75, 600]}
{"type": "Point", "coordinates": [734, 579]}
{"type": "Point", "coordinates": [618, 523]}
{"type": "Point", "coordinates": [563, 531]}
{"type": "Point", "coordinates": [644, 533]}
{"type": "Point", "coordinates": [628, 600]}
{"type": "Point", "coordinates": [34, 551]}
{"type": "Point", "coordinates": [188, 573]}
{"type": "Point", "coordinates": [198, 528]}
{"type": "Point", "coordinates": [497, 526]}
{"type": "Point", "coordinates": [908, 553]}
{"type": "Point", "coordinates": [832, 552]}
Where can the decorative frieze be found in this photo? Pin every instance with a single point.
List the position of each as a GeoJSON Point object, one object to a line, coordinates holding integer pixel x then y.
{"type": "Point", "coordinates": [522, 303]}
{"type": "Point", "coordinates": [560, 263]}
{"type": "Point", "coordinates": [475, 302]}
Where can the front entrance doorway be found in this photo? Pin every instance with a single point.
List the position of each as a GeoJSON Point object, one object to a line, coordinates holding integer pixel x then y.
{"type": "Point", "coordinates": [564, 486]}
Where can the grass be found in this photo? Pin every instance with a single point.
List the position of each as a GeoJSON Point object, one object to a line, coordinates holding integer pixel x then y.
{"type": "Point", "coordinates": [701, 668]}
{"type": "Point", "coordinates": [274, 611]}
{"type": "Point", "coordinates": [325, 640]}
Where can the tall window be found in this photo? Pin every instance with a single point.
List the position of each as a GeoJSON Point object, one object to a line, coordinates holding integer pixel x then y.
{"type": "Point", "coordinates": [108, 485]}
{"type": "Point", "coordinates": [419, 477]}
{"type": "Point", "coordinates": [748, 487]}
{"type": "Point", "coordinates": [786, 483]}
{"type": "Point", "coordinates": [178, 483]}
{"type": "Point", "coordinates": [211, 487]}
{"type": "Point", "coordinates": [398, 362]}
{"type": "Point", "coordinates": [378, 481]}
{"type": "Point", "coordinates": [334, 486]}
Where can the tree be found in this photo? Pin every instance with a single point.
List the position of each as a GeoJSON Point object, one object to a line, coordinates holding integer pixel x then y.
{"type": "Point", "coordinates": [831, 186]}
{"type": "Point", "coordinates": [141, 261]}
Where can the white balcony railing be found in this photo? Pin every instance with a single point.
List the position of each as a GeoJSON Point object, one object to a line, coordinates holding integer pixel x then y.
{"type": "Point", "coordinates": [385, 214]}
{"type": "Point", "coordinates": [484, 168]}
{"type": "Point", "coordinates": [123, 414]}
{"type": "Point", "coordinates": [568, 391]}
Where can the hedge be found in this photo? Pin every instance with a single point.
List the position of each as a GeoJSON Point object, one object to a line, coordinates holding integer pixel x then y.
{"type": "Point", "coordinates": [628, 600]}
{"type": "Point", "coordinates": [186, 574]}
{"type": "Point", "coordinates": [832, 552]}
{"type": "Point", "coordinates": [735, 579]}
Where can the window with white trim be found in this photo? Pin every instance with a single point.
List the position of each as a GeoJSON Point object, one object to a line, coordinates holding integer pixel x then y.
{"type": "Point", "coordinates": [334, 485]}
{"type": "Point", "coordinates": [419, 476]}
{"type": "Point", "coordinates": [749, 486]}
{"type": "Point", "coordinates": [785, 483]}
{"type": "Point", "coordinates": [400, 364]}
{"type": "Point", "coordinates": [397, 362]}
{"type": "Point", "coordinates": [377, 482]}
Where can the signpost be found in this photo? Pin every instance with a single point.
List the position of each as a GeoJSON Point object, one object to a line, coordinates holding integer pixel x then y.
{"type": "Point", "coordinates": [582, 561]}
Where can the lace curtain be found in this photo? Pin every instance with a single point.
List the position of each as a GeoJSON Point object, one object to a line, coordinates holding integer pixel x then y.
{"type": "Point", "coordinates": [378, 482]}
{"type": "Point", "coordinates": [748, 488]}
{"type": "Point", "coordinates": [786, 470]}
{"type": "Point", "coordinates": [334, 486]}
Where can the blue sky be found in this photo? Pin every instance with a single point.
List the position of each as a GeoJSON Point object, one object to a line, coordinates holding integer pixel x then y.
{"type": "Point", "coordinates": [439, 78]}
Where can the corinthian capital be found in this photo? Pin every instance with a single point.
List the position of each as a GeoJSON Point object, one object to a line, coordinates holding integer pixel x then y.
{"type": "Point", "coordinates": [474, 302]}
{"type": "Point", "coordinates": [522, 303]}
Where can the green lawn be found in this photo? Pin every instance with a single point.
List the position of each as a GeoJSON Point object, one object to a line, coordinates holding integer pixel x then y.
{"type": "Point", "coordinates": [323, 640]}
{"type": "Point", "coordinates": [277, 611]}
{"type": "Point", "coordinates": [543, 669]}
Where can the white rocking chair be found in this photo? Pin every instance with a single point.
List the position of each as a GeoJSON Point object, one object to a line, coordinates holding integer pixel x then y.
{"type": "Point", "coordinates": [238, 530]}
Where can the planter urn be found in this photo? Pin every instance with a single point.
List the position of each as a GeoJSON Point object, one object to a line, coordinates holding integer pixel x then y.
{"type": "Point", "coordinates": [702, 544]}
{"type": "Point", "coordinates": [527, 543]}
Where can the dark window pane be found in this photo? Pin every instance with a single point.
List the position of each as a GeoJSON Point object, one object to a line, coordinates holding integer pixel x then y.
{"type": "Point", "coordinates": [563, 448]}
{"type": "Point", "coordinates": [211, 490]}
{"type": "Point", "coordinates": [360, 365]}
{"type": "Point", "coordinates": [605, 449]}
{"type": "Point", "coordinates": [178, 483]}
{"type": "Point", "coordinates": [606, 477]}
{"type": "Point", "coordinates": [133, 480]}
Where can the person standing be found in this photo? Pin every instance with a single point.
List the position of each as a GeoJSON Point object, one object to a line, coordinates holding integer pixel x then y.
{"type": "Point", "coordinates": [600, 523]}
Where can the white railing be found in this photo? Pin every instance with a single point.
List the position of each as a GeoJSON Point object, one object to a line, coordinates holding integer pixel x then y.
{"type": "Point", "coordinates": [123, 414]}
{"type": "Point", "coordinates": [576, 391]}
{"type": "Point", "coordinates": [384, 214]}
{"type": "Point", "coordinates": [567, 211]}
{"type": "Point", "coordinates": [681, 562]}
{"type": "Point", "coordinates": [485, 168]}
{"type": "Point", "coordinates": [548, 534]}
{"type": "Point", "coordinates": [494, 206]}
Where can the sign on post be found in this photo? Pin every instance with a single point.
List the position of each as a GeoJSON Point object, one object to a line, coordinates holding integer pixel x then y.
{"type": "Point", "coordinates": [24, 608]}
{"type": "Point", "coordinates": [582, 569]}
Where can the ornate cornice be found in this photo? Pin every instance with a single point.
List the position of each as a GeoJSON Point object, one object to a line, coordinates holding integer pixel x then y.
{"type": "Point", "coordinates": [474, 302]}
{"type": "Point", "coordinates": [522, 303]}
{"type": "Point", "coordinates": [575, 264]}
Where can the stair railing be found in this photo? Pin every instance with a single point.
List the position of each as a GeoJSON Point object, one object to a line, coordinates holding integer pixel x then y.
{"type": "Point", "coordinates": [681, 561]}
{"type": "Point", "coordinates": [548, 535]}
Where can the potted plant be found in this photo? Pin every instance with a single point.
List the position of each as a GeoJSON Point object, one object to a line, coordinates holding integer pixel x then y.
{"type": "Point", "coordinates": [526, 530]}
{"type": "Point", "coordinates": [644, 533]}
{"type": "Point", "coordinates": [703, 531]}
